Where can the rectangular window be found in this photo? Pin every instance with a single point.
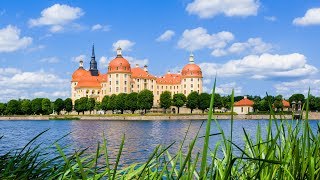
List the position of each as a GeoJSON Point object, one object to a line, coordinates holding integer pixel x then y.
{"type": "Point", "coordinates": [117, 82]}
{"type": "Point", "coordinates": [157, 92]}
{"type": "Point", "coordinates": [191, 85]}
{"type": "Point", "coordinates": [125, 76]}
{"type": "Point", "coordinates": [125, 89]}
{"type": "Point", "coordinates": [241, 109]}
{"type": "Point", "coordinates": [110, 82]}
{"type": "Point", "coordinates": [117, 75]}
{"type": "Point", "coordinates": [117, 89]}
{"type": "Point", "coordinates": [109, 89]}
{"type": "Point", "coordinates": [125, 82]}
{"type": "Point", "coordinates": [185, 86]}
{"type": "Point", "coordinates": [191, 79]}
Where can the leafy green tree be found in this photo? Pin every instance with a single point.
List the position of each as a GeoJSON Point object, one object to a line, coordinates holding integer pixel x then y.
{"type": "Point", "coordinates": [36, 106]}
{"type": "Point", "coordinates": [317, 104]}
{"type": "Point", "coordinates": [145, 100]}
{"type": "Point", "coordinates": [68, 105]}
{"type": "Point", "coordinates": [165, 100]}
{"type": "Point", "coordinates": [77, 106]}
{"type": "Point", "coordinates": [46, 106]}
{"type": "Point", "coordinates": [13, 107]}
{"type": "Point", "coordinates": [104, 103]}
{"type": "Point", "coordinates": [193, 100]}
{"type": "Point", "coordinates": [297, 98]}
{"type": "Point", "coordinates": [204, 101]}
{"type": "Point", "coordinates": [90, 104]}
{"type": "Point", "coordinates": [217, 101]}
{"type": "Point", "coordinates": [278, 102]}
{"type": "Point", "coordinates": [3, 107]}
{"type": "Point", "coordinates": [26, 107]}
{"type": "Point", "coordinates": [58, 105]}
{"type": "Point", "coordinates": [226, 101]}
{"type": "Point", "coordinates": [112, 102]}
{"type": "Point", "coordinates": [179, 100]}
{"type": "Point", "coordinates": [121, 102]}
{"type": "Point", "coordinates": [264, 105]}
{"type": "Point", "coordinates": [97, 106]}
{"type": "Point", "coordinates": [132, 102]}
{"type": "Point", "coordinates": [237, 98]}
{"type": "Point", "coordinates": [83, 104]}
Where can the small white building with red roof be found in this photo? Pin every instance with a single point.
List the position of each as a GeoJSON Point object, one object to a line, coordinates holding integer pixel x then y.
{"type": "Point", "coordinates": [244, 106]}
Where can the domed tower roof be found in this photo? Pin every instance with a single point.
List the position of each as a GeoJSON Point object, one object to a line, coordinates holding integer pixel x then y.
{"type": "Point", "coordinates": [80, 72]}
{"type": "Point", "coordinates": [191, 69]}
{"type": "Point", "coordinates": [119, 64]}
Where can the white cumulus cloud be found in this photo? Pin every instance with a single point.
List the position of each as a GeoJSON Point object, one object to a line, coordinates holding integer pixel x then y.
{"type": "Point", "coordinates": [100, 27]}
{"type": "Point", "coordinates": [199, 38]}
{"type": "Point", "coordinates": [56, 16]}
{"type": "Point", "coordinates": [311, 17]}
{"type": "Point", "coordinates": [262, 67]}
{"type": "Point", "coordinates": [50, 60]}
{"type": "Point", "coordinates": [10, 39]}
{"type": "Point", "coordinates": [211, 8]}
{"type": "Point", "coordinates": [78, 58]}
{"type": "Point", "coordinates": [299, 86]}
{"type": "Point", "coordinates": [166, 36]}
{"type": "Point", "coordinates": [125, 45]}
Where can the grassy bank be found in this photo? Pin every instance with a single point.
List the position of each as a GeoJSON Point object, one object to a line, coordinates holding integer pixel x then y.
{"type": "Point", "coordinates": [290, 151]}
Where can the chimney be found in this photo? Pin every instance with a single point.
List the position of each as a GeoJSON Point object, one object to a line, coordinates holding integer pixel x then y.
{"type": "Point", "coordinates": [145, 68]}
{"type": "Point", "coordinates": [168, 72]}
{"type": "Point", "coordinates": [245, 97]}
{"type": "Point", "coordinates": [137, 65]}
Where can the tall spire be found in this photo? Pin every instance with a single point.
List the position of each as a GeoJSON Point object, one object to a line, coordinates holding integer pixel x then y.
{"type": "Point", "coordinates": [191, 59]}
{"type": "Point", "coordinates": [93, 64]}
{"type": "Point", "coordinates": [119, 52]}
{"type": "Point", "coordinates": [93, 54]}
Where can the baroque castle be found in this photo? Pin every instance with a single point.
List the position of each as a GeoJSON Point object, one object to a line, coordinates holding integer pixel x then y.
{"type": "Point", "coordinates": [122, 78]}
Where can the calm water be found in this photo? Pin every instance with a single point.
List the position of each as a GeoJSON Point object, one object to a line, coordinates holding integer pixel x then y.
{"type": "Point", "coordinates": [141, 136]}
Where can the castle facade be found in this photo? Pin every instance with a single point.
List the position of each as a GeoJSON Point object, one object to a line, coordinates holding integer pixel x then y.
{"type": "Point", "coordinates": [122, 78]}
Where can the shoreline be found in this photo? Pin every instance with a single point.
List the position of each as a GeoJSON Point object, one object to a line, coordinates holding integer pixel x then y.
{"type": "Point", "coordinates": [312, 116]}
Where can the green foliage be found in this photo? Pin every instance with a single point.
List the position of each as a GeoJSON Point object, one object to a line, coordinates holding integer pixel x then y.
{"type": "Point", "coordinates": [192, 101]}
{"type": "Point", "coordinates": [145, 100]}
{"type": "Point", "coordinates": [278, 103]}
{"type": "Point", "coordinates": [91, 102]}
{"type": "Point", "coordinates": [121, 102]}
{"type": "Point", "coordinates": [26, 107]}
{"type": "Point", "coordinates": [13, 107]}
{"type": "Point", "coordinates": [132, 102]}
{"type": "Point", "coordinates": [204, 101]}
{"type": "Point", "coordinates": [2, 108]}
{"type": "Point", "coordinates": [68, 105]}
{"type": "Point", "coordinates": [46, 106]}
{"type": "Point", "coordinates": [112, 102]}
{"type": "Point", "coordinates": [179, 100]}
{"type": "Point", "coordinates": [165, 100]}
{"type": "Point", "coordinates": [105, 102]}
{"type": "Point", "coordinates": [297, 98]}
{"type": "Point", "coordinates": [97, 106]}
{"type": "Point", "coordinates": [58, 105]}
{"type": "Point", "coordinates": [36, 106]}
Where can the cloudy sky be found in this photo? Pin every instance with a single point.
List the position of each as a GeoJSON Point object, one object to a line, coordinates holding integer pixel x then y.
{"type": "Point", "coordinates": [253, 46]}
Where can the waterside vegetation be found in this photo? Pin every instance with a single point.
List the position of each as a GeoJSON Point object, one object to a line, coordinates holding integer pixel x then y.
{"type": "Point", "coordinates": [288, 151]}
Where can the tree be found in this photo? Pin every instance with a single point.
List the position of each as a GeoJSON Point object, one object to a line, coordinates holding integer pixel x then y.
{"type": "Point", "coordinates": [90, 104]}
{"type": "Point", "coordinates": [36, 106]}
{"type": "Point", "coordinates": [165, 100]}
{"type": "Point", "coordinates": [58, 105]}
{"type": "Point", "coordinates": [97, 106]}
{"type": "Point", "coordinates": [83, 104]}
{"type": "Point", "coordinates": [297, 98]}
{"type": "Point", "coordinates": [204, 101]}
{"type": "Point", "coordinates": [77, 106]}
{"type": "Point", "coordinates": [132, 102]}
{"type": "Point", "coordinates": [2, 108]}
{"type": "Point", "coordinates": [179, 100]}
{"type": "Point", "coordinates": [112, 102]}
{"type": "Point", "coordinates": [68, 105]}
{"type": "Point", "coordinates": [192, 101]}
{"type": "Point", "coordinates": [217, 101]}
{"type": "Point", "coordinates": [121, 102]}
{"type": "Point", "coordinates": [26, 107]}
{"type": "Point", "coordinates": [226, 101]}
{"type": "Point", "coordinates": [278, 102]}
{"type": "Point", "coordinates": [13, 107]}
{"type": "Point", "coordinates": [46, 106]}
{"type": "Point", "coordinates": [145, 100]}
{"type": "Point", "coordinates": [104, 103]}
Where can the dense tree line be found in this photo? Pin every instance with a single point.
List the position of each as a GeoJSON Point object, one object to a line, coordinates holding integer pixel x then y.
{"type": "Point", "coordinates": [36, 106]}
{"type": "Point", "coordinates": [144, 101]}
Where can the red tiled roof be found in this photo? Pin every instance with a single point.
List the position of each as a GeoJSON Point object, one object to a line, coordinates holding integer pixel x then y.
{"type": "Point", "coordinates": [119, 64]}
{"type": "Point", "coordinates": [138, 72]}
{"type": "Point", "coordinates": [244, 102]}
{"type": "Point", "coordinates": [285, 103]}
{"type": "Point", "coordinates": [169, 79]}
{"type": "Point", "coordinates": [191, 70]}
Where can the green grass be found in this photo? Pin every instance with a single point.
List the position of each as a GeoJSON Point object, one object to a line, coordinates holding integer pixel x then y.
{"type": "Point", "coordinates": [64, 118]}
{"type": "Point", "coordinates": [288, 151]}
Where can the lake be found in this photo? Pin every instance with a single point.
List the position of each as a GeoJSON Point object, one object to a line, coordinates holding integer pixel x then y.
{"type": "Point", "coordinates": [141, 136]}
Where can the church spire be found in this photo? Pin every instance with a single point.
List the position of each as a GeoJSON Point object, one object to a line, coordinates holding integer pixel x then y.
{"type": "Point", "coordinates": [93, 64]}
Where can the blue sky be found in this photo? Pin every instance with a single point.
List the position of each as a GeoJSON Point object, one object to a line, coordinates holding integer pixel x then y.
{"type": "Point", "coordinates": [253, 46]}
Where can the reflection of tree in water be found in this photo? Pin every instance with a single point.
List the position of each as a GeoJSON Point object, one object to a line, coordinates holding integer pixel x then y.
{"type": "Point", "coordinates": [141, 136]}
